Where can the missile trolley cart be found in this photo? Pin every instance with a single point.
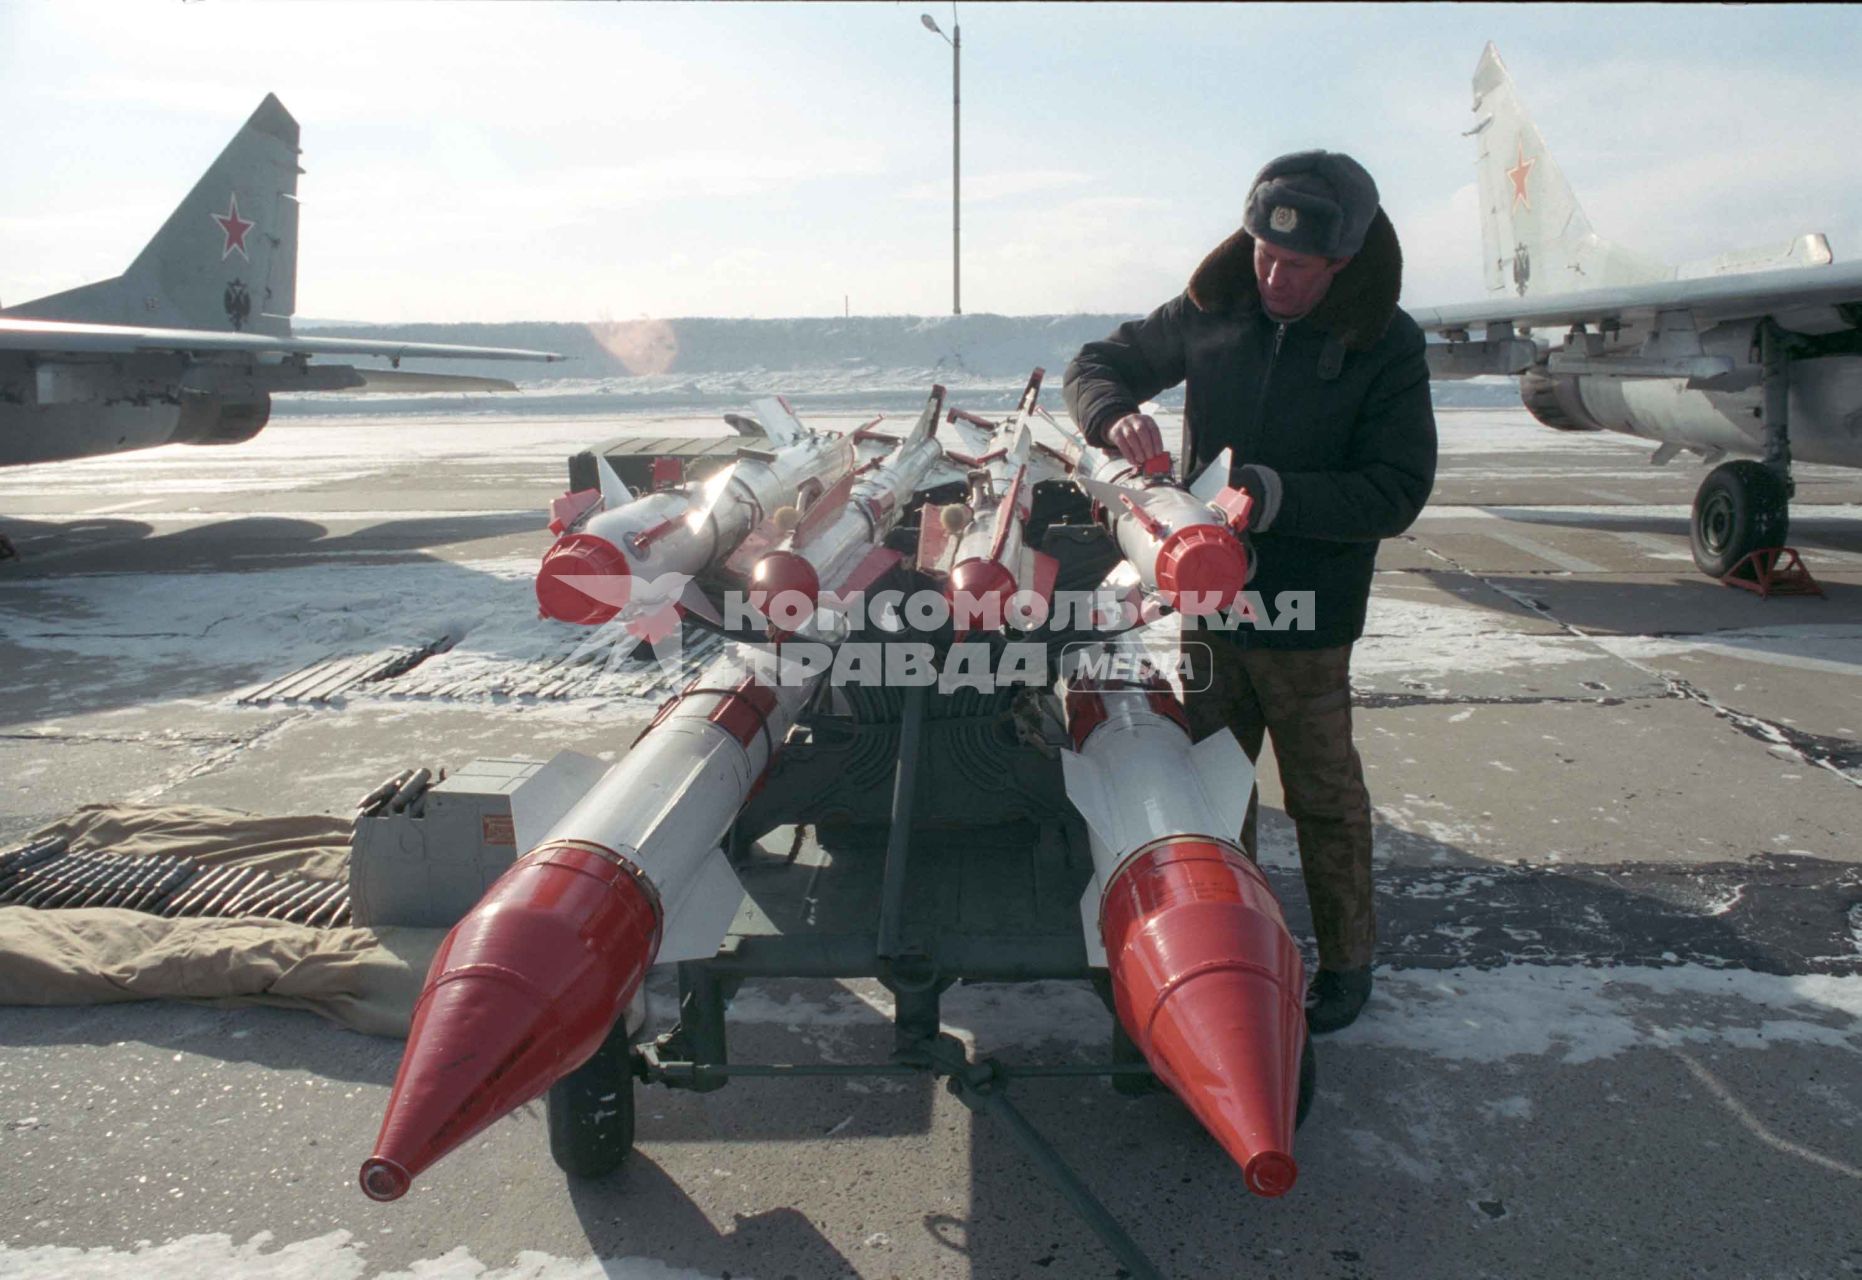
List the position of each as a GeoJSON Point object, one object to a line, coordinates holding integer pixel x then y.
{"type": "Point", "coordinates": [947, 852]}
{"type": "Point", "coordinates": [988, 831]}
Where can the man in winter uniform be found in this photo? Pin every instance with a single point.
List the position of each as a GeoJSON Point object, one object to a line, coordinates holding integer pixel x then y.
{"type": "Point", "coordinates": [1295, 357]}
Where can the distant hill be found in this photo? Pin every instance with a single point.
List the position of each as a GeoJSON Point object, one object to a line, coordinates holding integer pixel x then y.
{"type": "Point", "coordinates": [882, 360]}
{"type": "Point", "coordinates": [984, 346]}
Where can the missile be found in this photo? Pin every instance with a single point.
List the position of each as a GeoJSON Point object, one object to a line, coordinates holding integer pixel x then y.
{"type": "Point", "coordinates": [991, 562]}
{"type": "Point", "coordinates": [838, 545]}
{"type": "Point", "coordinates": [626, 870]}
{"type": "Point", "coordinates": [1206, 979]}
{"type": "Point", "coordinates": [638, 553]}
{"type": "Point", "coordinates": [1184, 541]}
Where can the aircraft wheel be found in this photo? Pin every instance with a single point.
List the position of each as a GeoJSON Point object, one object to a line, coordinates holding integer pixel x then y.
{"type": "Point", "coordinates": [591, 1112]}
{"type": "Point", "coordinates": [1741, 507]}
{"type": "Point", "coordinates": [1309, 1082]}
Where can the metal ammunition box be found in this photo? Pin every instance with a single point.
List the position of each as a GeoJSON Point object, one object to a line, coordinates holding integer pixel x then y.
{"type": "Point", "coordinates": [429, 864]}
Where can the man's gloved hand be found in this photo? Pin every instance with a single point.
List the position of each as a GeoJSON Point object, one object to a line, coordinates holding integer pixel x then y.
{"type": "Point", "coordinates": [1136, 437]}
{"type": "Point", "coordinates": [1263, 485]}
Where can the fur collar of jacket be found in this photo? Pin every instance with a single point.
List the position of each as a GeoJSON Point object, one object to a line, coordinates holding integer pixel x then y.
{"type": "Point", "coordinates": [1356, 310]}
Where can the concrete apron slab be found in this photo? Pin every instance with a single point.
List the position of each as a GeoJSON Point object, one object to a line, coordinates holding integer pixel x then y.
{"type": "Point", "coordinates": [1656, 780]}
{"type": "Point", "coordinates": [324, 760]}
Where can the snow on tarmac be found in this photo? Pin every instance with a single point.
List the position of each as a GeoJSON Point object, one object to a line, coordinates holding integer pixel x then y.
{"type": "Point", "coordinates": [336, 1256]}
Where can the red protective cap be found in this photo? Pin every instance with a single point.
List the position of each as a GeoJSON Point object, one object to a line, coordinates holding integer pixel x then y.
{"type": "Point", "coordinates": [980, 590]}
{"type": "Point", "coordinates": [522, 992]}
{"type": "Point", "coordinates": [1201, 569]}
{"type": "Point", "coordinates": [784, 588]}
{"type": "Point", "coordinates": [583, 579]}
{"type": "Point", "coordinates": [1209, 985]}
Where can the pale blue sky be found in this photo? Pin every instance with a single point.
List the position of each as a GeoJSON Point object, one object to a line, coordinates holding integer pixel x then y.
{"type": "Point", "coordinates": [544, 161]}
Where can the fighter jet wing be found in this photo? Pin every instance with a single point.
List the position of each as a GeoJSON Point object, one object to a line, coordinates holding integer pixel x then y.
{"type": "Point", "coordinates": [1709, 298]}
{"type": "Point", "coordinates": [60, 337]}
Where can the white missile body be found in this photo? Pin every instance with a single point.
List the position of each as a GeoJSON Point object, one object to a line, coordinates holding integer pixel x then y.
{"type": "Point", "coordinates": [1183, 541]}
{"type": "Point", "coordinates": [1205, 978]}
{"type": "Point", "coordinates": [1138, 782]}
{"type": "Point", "coordinates": [619, 554]}
{"type": "Point", "coordinates": [838, 544]}
{"type": "Point", "coordinates": [991, 563]}
{"type": "Point", "coordinates": [665, 808]}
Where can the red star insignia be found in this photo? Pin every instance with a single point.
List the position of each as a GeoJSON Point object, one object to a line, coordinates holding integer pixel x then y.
{"type": "Point", "coordinates": [234, 228]}
{"type": "Point", "coordinates": [1518, 176]}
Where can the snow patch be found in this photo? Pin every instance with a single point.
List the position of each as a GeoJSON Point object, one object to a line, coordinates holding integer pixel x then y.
{"type": "Point", "coordinates": [336, 1256]}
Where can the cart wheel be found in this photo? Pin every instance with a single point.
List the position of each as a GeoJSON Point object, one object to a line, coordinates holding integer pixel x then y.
{"type": "Point", "coordinates": [591, 1112]}
{"type": "Point", "coordinates": [1309, 1082]}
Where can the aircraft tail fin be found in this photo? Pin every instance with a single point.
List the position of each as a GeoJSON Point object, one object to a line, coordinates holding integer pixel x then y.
{"type": "Point", "coordinates": [226, 259]}
{"type": "Point", "coordinates": [1535, 238]}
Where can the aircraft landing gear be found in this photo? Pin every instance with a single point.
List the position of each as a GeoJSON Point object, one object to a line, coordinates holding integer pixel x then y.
{"type": "Point", "coordinates": [1744, 507]}
{"type": "Point", "coordinates": [1741, 507]}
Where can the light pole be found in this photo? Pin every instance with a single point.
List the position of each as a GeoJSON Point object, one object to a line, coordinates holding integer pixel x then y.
{"type": "Point", "coordinates": [955, 41]}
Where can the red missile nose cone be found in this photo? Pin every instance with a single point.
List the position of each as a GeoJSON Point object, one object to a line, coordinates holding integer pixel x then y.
{"type": "Point", "coordinates": [583, 579]}
{"type": "Point", "coordinates": [785, 589]}
{"type": "Point", "coordinates": [1201, 569]}
{"type": "Point", "coordinates": [980, 590]}
{"type": "Point", "coordinates": [1209, 985]}
{"type": "Point", "coordinates": [522, 992]}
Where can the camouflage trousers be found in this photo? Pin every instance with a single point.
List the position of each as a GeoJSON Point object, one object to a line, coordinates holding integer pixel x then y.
{"type": "Point", "coordinates": [1301, 698]}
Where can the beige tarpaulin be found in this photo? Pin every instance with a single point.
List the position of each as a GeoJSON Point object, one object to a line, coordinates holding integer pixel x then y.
{"type": "Point", "coordinates": [363, 978]}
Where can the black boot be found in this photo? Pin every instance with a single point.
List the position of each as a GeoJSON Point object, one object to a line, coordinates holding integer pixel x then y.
{"type": "Point", "coordinates": [1335, 998]}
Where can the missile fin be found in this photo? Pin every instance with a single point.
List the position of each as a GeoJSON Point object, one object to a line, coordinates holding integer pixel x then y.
{"type": "Point", "coordinates": [1020, 446]}
{"type": "Point", "coordinates": [1089, 922]}
{"type": "Point", "coordinates": [697, 923]}
{"type": "Point", "coordinates": [1227, 778]}
{"type": "Point", "coordinates": [1031, 392]}
{"type": "Point", "coordinates": [779, 424]}
{"type": "Point", "coordinates": [614, 491]}
{"type": "Point", "coordinates": [926, 426]}
{"type": "Point", "coordinates": [542, 799]}
{"type": "Point", "coordinates": [1086, 788]}
{"type": "Point", "coordinates": [695, 601]}
{"type": "Point", "coordinates": [1213, 478]}
{"type": "Point", "coordinates": [1110, 496]}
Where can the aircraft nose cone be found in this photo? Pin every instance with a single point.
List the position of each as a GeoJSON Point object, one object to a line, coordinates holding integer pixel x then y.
{"type": "Point", "coordinates": [1201, 569]}
{"type": "Point", "coordinates": [583, 579]}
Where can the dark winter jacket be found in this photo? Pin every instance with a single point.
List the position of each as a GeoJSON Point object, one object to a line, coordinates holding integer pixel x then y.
{"type": "Point", "coordinates": [1329, 419]}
